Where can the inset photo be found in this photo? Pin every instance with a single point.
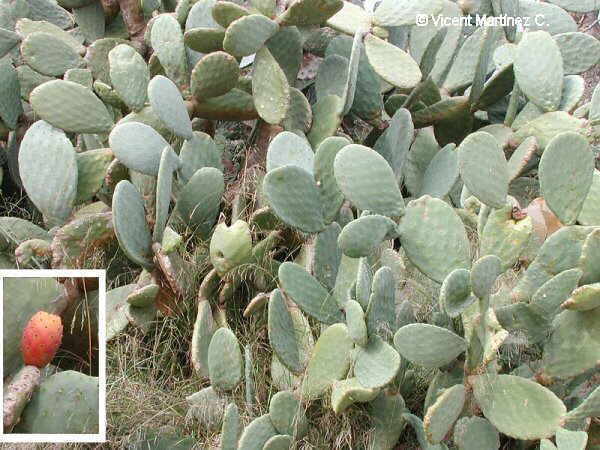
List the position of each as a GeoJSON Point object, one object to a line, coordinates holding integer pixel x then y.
{"type": "Point", "coordinates": [53, 355]}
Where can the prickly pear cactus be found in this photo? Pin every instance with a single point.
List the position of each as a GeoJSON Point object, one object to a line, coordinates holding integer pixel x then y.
{"type": "Point", "coordinates": [40, 397]}
{"type": "Point", "coordinates": [351, 203]}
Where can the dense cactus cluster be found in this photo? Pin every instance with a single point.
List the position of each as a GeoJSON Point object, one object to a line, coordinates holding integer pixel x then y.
{"type": "Point", "coordinates": [477, 167]}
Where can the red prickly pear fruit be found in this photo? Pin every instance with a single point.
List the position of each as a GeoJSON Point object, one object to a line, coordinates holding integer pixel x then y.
{"type": "Point", "coordinates": [41, 338]}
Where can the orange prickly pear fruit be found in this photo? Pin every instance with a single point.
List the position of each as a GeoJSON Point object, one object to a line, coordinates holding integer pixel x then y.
{"type": "Point", "coordinates": [41, 338]}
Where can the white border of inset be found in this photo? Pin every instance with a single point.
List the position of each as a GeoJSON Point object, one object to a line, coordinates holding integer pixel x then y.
{"type": "Point", "coordinates": [51, 273]}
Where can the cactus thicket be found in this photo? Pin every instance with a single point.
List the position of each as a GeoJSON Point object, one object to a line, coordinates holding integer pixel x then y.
{"type": "Point", "coordinates": [392, 168]}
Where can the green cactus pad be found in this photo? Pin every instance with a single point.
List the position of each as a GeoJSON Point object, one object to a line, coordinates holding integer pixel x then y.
{"type": "Point", "coordinates": [499, 85]}
{"type": "Point", "coordinates": [130, 224]}
{"type": "Point", "coordinates": [129, 75]}
{"type": "Point", "coordinates": [205, 39]}
{"type": "Point", "coordinates": [387, 411]}
{"type": "Point", "coordinates": [279, 442]}
{"type": "Point", "coordinates": [434, 238]}
{"type": "Point", "coordinates": [531, 411]}
{"type": "Point", "coordinates": [363, 282]}
{"type": "Point", "coordinates": [235, 105]}
{"type": "Point", "coordinates": [441, 174]}
{"type": "Point", "coordinates": [91, 21]}
{"type": "Point", "coordinates": [590, 213]}
{"type": "Point", "coordinates": [566, 172]}
{"type": "Point", "coordinates": [329, 362]}
{"type": "Point", "coordinates": [166, 100]}
{"type": "Point", "coordinates": [257, 433]}
{"type": "Point", "coordinates": [386, 58]}
{"type": "Point", "coordinates": [308, 294]}
{"type": "Point", "coordinates": [24, 27]}
{"type": "Point", "coordinates": [289, 333]}
{"type": "Point", "coordinates": [367, 102]}
{"type": "Point", "coordinates": [327, 117]}
{"type": "Point", "coordinates": [345, 393]}
{"type": "Point", "coordinates": [393, 13]}
{"type": "Point", "coordinates": [299, 113]}
{"type": "Point", "coordinates": [505, 237]}
{"type": "Point", "coordinates": [137, 146]}
{"type": "Point", "coordinates": [230, 431]}
{"type": "Point", "coordinates": [579, 51]}
{"type": "Point", "coordinates": [472, 433]}
{"type": "Point", "coordinates": [199, 200]}
{"type": "Point", "coordinates": [331, 196]}
{"type": "Point", "coordinates": [455, 293]}
{"type": "Point", "coordinates": [214, 75]}
{"type": "Point", "coordinates": [381, 311]}
{"type": "Point", "coordinates": [294, 196]}
{"type": "Point", "coordinates": [355, 321]}
{"type": "Point", "coordinates": [309, 12]}
{"type": "Point", "coordinates": [247, 34]}
{"type": "Point", "coordinates": [521, 157]}
{"type": "Point", "coordinates": [8, 41]}
{"type": "Point", "coordinates": [590, 407]}
{"type": "Point", "coordinates": [331, 71]}
{"type": "Point", "coordinates": [143, 297]}
{"type": "Point", "coordinates": [584, 298]}
{"type": "Point", "coordinates": [589, 262]}
{"type": "Point", "coordinates": [573, 347]}
{"type": "Point", "coordinates": [483, 168]}
{"type": "Point", "coordinates": [327, 255]}
{"type": "Point", "coordinates": [286, 48]}
{"type": "Point", "coordinates": [422, 151]}
{"type": "Point", "coordinates": [287, 415]}
{"type": "Point", "coordinates": [49, 54]}
{"type": "Point", "coordinates": [226, 12]}
{"type": "Point", "coordinates": [362, 236]}
{"type": "Point", "coordinates": [395, 141]}
{"type": "Point", "coordinates": [60, 103]}
{"type": "Point", "coordinates": [555, 291]}
{"type": "Point", "coordinates": [581, 6]}
{"type": "Point", "coordinates": [350, 19]}
{"type": "Point", "coordinates": [573, 90]}
{"type": "Point", "coordinates": [67, 402]}
{"type": "Point", "coordinates": [204, 329]}
{"type": "Point", "coordinates": [484, 60]}
{"type": "Point", "coordinates": [224, 360]}
{"type": "Point", "coordinates": [50, 182]}
{"type": "Point", "coordinates": [28, 79]}
{"type": "Point", "coordinates": [10, 101]}
{"type": "Point", "coordinates": [91, 169]}
{"type": "Point", "coordinates": [116, 301]}
{"type": "Point", "coordinates": [270, 87]}
{"type": "Point", "coordinates": [464, 65]}
{"type": "Point", "coordinates": [483, 275]}
{"type": "Point", "coordinates": [547, 126]}
{"type": "Point", "coordinates": [367, 180]}
{"type": "Point", "coordinates": [567, 439]}
{"type": "Point", "coordinates": [428, 345]}
{"type": "Point", "coordinates": [206, 406]}
{"type": "Point", "coordinates": [142, 318]}
{"type": "Point", "coordinates": [290, 149]}
{"type": "Point", "coordinates": [376, 364]}
{"type": "Point", "coordinates": [561, 251]}
{"type": "Point", "coordinates": [166, 38]}
{"type": "Point", "coordinates": [440, 416]}
{"type": "Point", "coordinates": [230, 246]}
{"type": "Point", "coordinates": [198, 152]}
{"type": "Point", "coordinates": [539, 69]}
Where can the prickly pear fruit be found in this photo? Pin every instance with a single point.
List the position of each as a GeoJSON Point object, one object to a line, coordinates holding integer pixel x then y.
{"type": "Point", "coordinates": [41, 338]}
